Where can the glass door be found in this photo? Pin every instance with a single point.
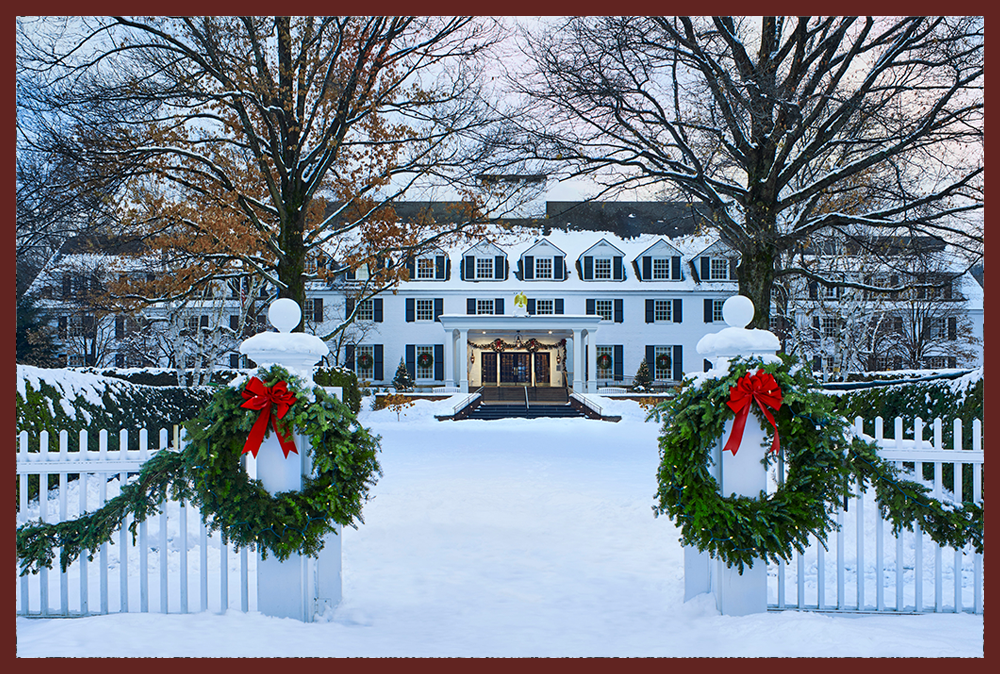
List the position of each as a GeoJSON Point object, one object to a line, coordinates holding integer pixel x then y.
{"type": "Point", "coordinates": [488, 365]}
{"type": "Point", "coordinates": [541, 368]}
{"type": "Point", "coordinates": [514, 368]}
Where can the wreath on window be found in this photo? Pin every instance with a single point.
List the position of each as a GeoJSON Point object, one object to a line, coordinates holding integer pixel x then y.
{"type": "Point", "coordinates": [208, 472]}
{"type": "Point", "coordinates": [604, 361]}
{"type": "Point", "coordinates": [365, 361]}
{"type": "Point", "coordinates": [425, 359]}
{"type": "Point", "coordinates": [822, 456]}
{"type": "Point", "coordinates": [662, 361]}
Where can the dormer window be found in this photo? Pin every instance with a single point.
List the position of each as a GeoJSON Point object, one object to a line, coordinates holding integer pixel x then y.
{"type": "Point", "coordinates": [542, 262]}
{"type": "Point", "coordinates": [661, 268]}
{"type": "Point", "coordinates": [484, 268]}
{"type": "Point", "coordinates": [543, 267]}
{"type": "Point", "coordinates": [719, 269]}
{"type": "Point", "coordinates": [431, 266]}
{"type": "Point", "coordinates": [484, 262]}
{"type": "Point", "coordinates": [425, 268]}
{"type": "Point", "coordinates": [601, 262]}
{"type": "Point", "coordinates": [716, 263]}
{"type": "Point", "coordinates": [602, 267]}
{"type": "Point", "coordinates": [659, 262]}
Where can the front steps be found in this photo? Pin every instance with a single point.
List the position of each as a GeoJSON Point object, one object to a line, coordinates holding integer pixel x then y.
{"type": "Point", "coordinates": [511, 411]}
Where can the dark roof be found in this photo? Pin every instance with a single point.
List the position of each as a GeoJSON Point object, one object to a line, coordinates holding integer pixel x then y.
{"type": "Point", "coordinates": [897, 245]}
{"type": "Point", "coordinates": [100, 243]}
{"type": "Point", "coordinates": [625, 219]}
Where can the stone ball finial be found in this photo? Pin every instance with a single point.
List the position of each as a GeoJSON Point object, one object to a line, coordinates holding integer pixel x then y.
{"type": "Point", "coordinates": [285, 314]}
{"type": "Point", "coordinates": [738, 311]}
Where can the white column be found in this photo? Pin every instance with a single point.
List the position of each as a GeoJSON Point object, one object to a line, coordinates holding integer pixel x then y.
{"type": "Point", "coordinates": [578, 360]}
{"type": "Point", "coordinates": [592, 361]}
{"type": "Point", "coordinates": [449, 358]}
{"type": "Point", "coordinates": [463, 360]}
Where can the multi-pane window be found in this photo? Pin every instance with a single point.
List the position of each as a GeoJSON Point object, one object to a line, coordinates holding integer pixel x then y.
{"type": "Point", "coordinates": [75, 360]}
{"type": "Point", "coordinates": [605, 362]}
{"type": "Point", "coordinates": [191, 323]}
{"type": "Point", "coordinates": [661, 310]}
{"type": "Point", "coordinates": [76, 326]}
{"type": "Point", "coordinates": [544, 307]}
{"type": "Point", "coordinates": [717, 310]}
{"type": "Point", "coordinates": [425, 362]}
{"type": "Point", "coordinates": [484, 268]}
{"type": "Point", "coordinates": [484, 307]}
{"type": "Point", "coordinates": [604, 309]}
{"type": "Point", "coordinates": [829, 327]}
{"type": "Point", "coordinates": [425, 310]}
{"type": "Point", "coordinates": [661, 268]}
{"type": "Point", "coordinates": [365, 311]}
{"type": "Point", "coordinates": [602, 268]}
{"type": "Point", "coordinates": [543, 267]}
{"type": "Point", "coordinates": [663, 362]}
{"type": "Point", "coordinates": [425, 267]}
{"type": "Point", "coordinates": [936, 327]}
{"type": "Point", "coordinates": [829, 292]}
{"type": "Point", "coordinates": [364, 361]}
{"type": "Point", "coordinates": [719, 269]}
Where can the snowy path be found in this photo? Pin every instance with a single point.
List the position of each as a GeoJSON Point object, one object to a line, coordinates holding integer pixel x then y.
{"type": "Point", "coordinates": [511, 538]}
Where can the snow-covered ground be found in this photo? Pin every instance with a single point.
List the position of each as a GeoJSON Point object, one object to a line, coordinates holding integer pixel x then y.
{"type": "Point", "coordinates": [509, 538]}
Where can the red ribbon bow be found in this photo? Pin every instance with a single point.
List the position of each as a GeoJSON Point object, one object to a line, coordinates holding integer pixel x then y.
{"type": "Point", "coordinates": [260, 397]}
{"type": "Point", "coordinates": [762, 388]}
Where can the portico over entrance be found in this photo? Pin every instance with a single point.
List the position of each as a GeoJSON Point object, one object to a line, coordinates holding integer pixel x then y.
{"type": "Point", "coordinates": [547, 350]}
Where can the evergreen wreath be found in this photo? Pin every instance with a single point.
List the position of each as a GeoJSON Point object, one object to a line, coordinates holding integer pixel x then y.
{"type": "Point", "coordinates": [425, 359]}
{"type": "Point", "coordinates": [208, 472]}
{"type": "Point", "coordinates": [822, 457]}
{"type": "Point", "coordinates": [662, 361]}
{"type": "Point", "coordinates": [365, 361]}
{"type": "Point", "coordinates": [604, 361]}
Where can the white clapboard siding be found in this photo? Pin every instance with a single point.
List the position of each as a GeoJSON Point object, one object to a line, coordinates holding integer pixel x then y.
{"type": "Point", "coordinates": [908, 581]}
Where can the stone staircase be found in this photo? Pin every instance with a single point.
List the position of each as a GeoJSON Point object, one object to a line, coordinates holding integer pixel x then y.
{"type": "Point", "coordinates": [489, 411]}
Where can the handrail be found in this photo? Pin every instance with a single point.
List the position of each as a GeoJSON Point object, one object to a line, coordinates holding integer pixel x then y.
{"type": "Point", "coordinates": [587, 403]}
{"type": "Point", "coordinates": [466, 401]}
{"type": "Point", "coordinates": [526, 405]}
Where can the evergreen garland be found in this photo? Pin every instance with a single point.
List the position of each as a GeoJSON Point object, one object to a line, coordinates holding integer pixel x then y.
{"type": "Point", "coordinates": [209, 474]}
{"type": "Point", "coordinates": [821, 458]}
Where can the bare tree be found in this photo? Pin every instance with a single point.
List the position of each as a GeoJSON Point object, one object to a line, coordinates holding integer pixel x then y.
{"type": "Point", "coordinates": [235, 134]}
{"type": "Point", "coordinates": [788, 129]}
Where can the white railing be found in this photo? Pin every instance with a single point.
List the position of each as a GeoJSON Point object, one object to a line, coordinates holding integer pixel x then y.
{"type": "Point", "coordinates": [822, 580]}
{"type": "Point", "coordinates": [190, 568]}
{"type": "Point", "coordinates": [587, 402]}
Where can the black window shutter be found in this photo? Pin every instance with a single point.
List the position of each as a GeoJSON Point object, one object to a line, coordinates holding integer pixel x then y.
{"type": "Point", "coordinates": [203, 321]}
{"type": "Point", "coordinates": [619, 271]}
{"type": "Point", "coordinates": [619, 311]}
{"type": "Point", "coordinates": [120, 326]}
{"type": "Point", "coordinates": [350, 308]}
{"type": "Point", "coordinates": [816, 325]}
{"type": "Point", "coordinates": [67, 286]}
{"type": "Point", "coordinates": [470, 268]}
{"type": "Point", "coordinates": [438, 307]}
{"type": "Point", "coordinates": [498, 268]}
{"type": "Point", "coordinates": [947, 290]}
{"type": "Point", "coordinates": [897, 323]}
{"type": "Point", "coordinates": [559, 305]}
{"type": "Point", "coordinates": [439, 267]}
{"type": "Point", "coordinates": [470, 305]}
{"type": "Point", "coordinates": [706, 269]}
{"type": "Point", "coordinates": [379, 372]}
{"type": "Point", "coordinates": [529, 267]}
{"type": "Point", "coordinates": [62, 327]}
{"type": "Point", "coordinates": [709, 310]}
{"type": "Point", "coordinates": [813, 290]}
{"type": "Point", "coordinates": [591, 307]}
{"type": "Point", "coordinates": [675, 267]}
{"type": "Point", "coordinates": [817, 364]}
{"type": "Point", "coordinates": [619, 351]}
{"type": "Point", "coordinates": [447, 268]}
{"type": "Point", "coordinates": [678, 317]}
{"type": "Point", "coordinates": [498, 306]}
{"type": "Point", "coordinates": [377, 309]}
{"type": "Point", "coordinates": [732, 269]}
{"type": "Point", "coordinates": [439, 362]}
{"type": "Point", "coordinates": [349, 357]}
{"type": "Point", "coordinates": [647, 268]}
{"type": "Point", "coordinates": [351, 275]}
{"type": "Point", "coordinates": [649, 312]}
{"type": "Point", "coordinates": [588, 268]}
{"type": "Point", "coordinates": [234, 360]}
{"type": "Point", "coordinates": [651, 361]}
{"type": "Point", "coordinates": [531, 306]}
{"type": "Point", "coordinates": [707, 365]}
{"type": "Point", "coordinates": [678, 363]}
{"type": "Point", "coordinates": [234, 323]}
{"type": "Point", "coordinates": [557, 268]}
{"type": "Point", "coordinates": [411, 360]}
{"type": "Point", "coordinates": [952, 328]}
{"type": "Point", "coordinates": [317, 310]}
{"type": "Point", "coordinates": [411, 268]}
{"type": "Point", "coordinates": [410, 310]}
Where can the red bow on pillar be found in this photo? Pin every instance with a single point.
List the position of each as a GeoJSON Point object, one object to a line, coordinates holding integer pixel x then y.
{"type": "Point", "coordinates": [260, 397]}
{"type": "Point", "coordinates": [760, 387]}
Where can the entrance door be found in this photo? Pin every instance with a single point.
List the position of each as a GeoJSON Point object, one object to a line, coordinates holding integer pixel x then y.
{"type": "Point", "coordinates": [488, 365]}
{"type": "Point", "coordinates": [514, 368]}
{"type": "Point", "coordinates": [541, 368]}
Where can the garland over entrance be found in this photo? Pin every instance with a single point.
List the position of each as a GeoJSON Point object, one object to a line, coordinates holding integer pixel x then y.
{"type": "Point", "coordinates": [209, 473]}
{"type": "Point", "coordinates": [531, 345]}
{"type": "Point", "coordinates": [823, 458]}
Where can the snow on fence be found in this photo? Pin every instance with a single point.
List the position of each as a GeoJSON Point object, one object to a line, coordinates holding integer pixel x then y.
{"type": "Point", "coordinates": [192, 571]}
{"type": "Point", "coordinates": [917, 575]}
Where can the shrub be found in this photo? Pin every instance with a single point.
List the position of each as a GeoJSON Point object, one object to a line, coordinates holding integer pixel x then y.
{"type": "Point", "coordinates": [347, 380]}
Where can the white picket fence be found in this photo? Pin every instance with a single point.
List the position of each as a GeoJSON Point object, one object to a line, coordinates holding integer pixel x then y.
{"type": "Point", "coordinates": [856, 575]}
{"type": "Point", "coordinates": [194, 570]}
